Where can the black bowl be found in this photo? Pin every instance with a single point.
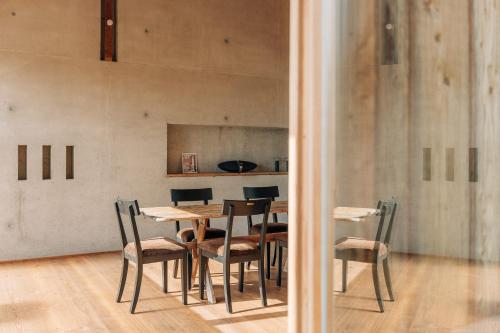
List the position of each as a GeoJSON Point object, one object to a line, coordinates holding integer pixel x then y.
{"type": "Point", "coordinates": [237, 166]}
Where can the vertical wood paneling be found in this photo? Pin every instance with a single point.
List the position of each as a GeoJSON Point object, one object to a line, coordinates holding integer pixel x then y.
{"type": "Point", "coordinates": [312, 127]}
{"type": "Point", "coordinates": [439, 118]}
{"type": "Point", "coordinates": [356, 92]}
{"type": "Point", "coordinates": [485, 230]}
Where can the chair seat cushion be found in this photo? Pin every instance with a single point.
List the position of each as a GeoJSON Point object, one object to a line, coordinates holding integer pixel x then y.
{"type": "Point", "coordinates": [186, 235]}
{"type": "Point", "coordinates": [271, 228]}
{"type": "Point", "coordinates": [352, 243]}
{"type": "Point", "coordinates": [155, 247]}
{"type": "Point", "coordinates": [239, 247]}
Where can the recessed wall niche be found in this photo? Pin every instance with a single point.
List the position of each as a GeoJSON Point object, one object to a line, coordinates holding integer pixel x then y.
{"type": "Point", "coordinates": [215, 144]}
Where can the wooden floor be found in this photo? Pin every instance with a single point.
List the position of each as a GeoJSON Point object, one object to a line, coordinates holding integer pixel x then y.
{"type": "Point", "coordinates": [76, 294]}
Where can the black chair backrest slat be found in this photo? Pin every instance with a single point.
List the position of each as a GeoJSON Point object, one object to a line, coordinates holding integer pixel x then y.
{"type": "Point", "coordinates": [245, 207]}
{"type": "Point", "coordinates": [270, 192]}
{"type": "Point", "coordinates": [187, 195]}
{"type": "Point", "coordinates": [198, 194]}
{"type": "Point", "coordinates": [267, 192]}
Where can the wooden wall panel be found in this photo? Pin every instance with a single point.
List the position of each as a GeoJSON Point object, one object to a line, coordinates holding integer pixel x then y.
{"type": "Point", "coordinates": [485, 230]}
{"type": "Point", "coordinates": [439, 61]}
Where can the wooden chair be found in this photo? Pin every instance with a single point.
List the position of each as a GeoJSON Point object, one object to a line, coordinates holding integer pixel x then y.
{"type": "Point", "coordinates": [281, 242]}
{"type": "Point", "coordinates": [370, 251]}
{"type": "Point", "coordinates": [229, 250]}
{"type": "Point", "coordinates": [147, 251]}
{"type": "Point", "coordinates": [270, 192]}
{"type": "Point", "coordinates": [187, 235]}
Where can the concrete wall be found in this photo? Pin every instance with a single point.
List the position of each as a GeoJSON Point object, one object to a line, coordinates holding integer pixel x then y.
{"type": "Point", "coordinates": [55, 91]}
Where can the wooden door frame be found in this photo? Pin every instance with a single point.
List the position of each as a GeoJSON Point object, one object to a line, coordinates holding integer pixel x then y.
{"type": "Point", "coordinates": [311, 152]}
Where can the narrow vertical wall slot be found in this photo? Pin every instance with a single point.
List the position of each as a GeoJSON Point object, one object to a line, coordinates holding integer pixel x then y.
{"type": "Point", "coordinates": [46, 163]}
{"type": "Point", "coordinates": [22, 162]}
{"type": "Point", "coordinates": [450, 164]}
{"type": "Point", "coordinates": [70, 159]}
{"type": "Point", "coordinates": [108, 30]}
{"type": "Point", "coordinates": [388, 20]}
{"type": "Point", "coordinates": [473, 160]}
{"type": "Point", "coordinates": [427, 166]}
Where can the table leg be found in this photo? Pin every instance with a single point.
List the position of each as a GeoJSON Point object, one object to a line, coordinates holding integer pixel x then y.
{"type": "Point", "coordinates": [199, 230]}
{"type": "Point", "coordinates": [200, 236]}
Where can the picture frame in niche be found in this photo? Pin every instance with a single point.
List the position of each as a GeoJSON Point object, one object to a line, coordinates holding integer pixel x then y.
{"type": "Point", "coordinates": [189, 163]}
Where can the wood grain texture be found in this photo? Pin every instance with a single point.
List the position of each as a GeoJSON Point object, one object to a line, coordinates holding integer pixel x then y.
{"type": "Point", "coordinates": [439, 118]}
{"type": "Point", "coordinates": [312, 134]}
{"type": "Point", "coordinates": [485, 76]}
{"type": "Point", "coordinates": [212, 211]}
{"type": "Point", "coordinates": [432, 295]}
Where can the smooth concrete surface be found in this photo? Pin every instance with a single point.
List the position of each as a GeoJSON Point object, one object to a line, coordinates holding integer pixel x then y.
{"type": "Point", "coordinates": [221, 62]}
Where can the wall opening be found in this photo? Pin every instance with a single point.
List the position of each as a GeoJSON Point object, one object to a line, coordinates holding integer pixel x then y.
{"type": "Point", "coordinates": [22, 167]}
{"type": "Point", "coordinates": [46, 162]}
{"type": "Point", "coordinates": [70, 162]}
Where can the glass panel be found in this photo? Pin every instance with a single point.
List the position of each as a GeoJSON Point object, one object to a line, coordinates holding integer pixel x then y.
{"type": "Point", "coordinates": [417, 120]}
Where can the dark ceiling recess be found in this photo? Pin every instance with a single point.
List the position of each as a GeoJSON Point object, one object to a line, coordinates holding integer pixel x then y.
{"type": "Point", "coordinates": [108, 30]}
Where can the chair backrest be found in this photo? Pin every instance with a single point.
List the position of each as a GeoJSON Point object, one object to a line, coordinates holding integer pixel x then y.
{"type": "Point", "coordinates": [270, 192]}
{"type": "Point", "coordinates": [195, 194]}
{"type": "Point", "coordinates": [187, 195]}
{"type": "Point", "coordinates": [248, 208]}
{"type": "Point", "coordinates": [267, 192]}
{"type": "Point", "coordinates": [387, 212]}
{"type": "Point", "coordinates": [131, 209]}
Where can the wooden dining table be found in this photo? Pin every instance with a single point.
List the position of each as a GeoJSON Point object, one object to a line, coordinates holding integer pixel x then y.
{"type": "Point", "coordinates": [199, 216]}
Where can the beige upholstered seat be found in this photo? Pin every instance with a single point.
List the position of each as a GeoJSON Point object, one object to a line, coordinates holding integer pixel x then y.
{"type": "Point", "coordinates": [271, 228]}
{"type": "Point", "coordinates": [154, 247]}
{"type": "Point", "coordinates": [352, 243]}
{"type": "Point", "coordinates": [186, 235]}
{"type": "Point", "coordinates": [239, 247]}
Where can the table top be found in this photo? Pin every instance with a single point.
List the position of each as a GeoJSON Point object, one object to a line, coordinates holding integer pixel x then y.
{"type": "Point", "coordinates": [199, 212]}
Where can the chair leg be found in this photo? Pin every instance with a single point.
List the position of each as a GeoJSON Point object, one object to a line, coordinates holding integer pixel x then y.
{"type": "Point", "coordinates": [138, 281]}
{"type": "Point", "coordinates": [377, 287]}
{"type": "Point", "coordinates": [248, 264]}
{"type": "Point", "coordinates": [123, 278]}
{"type": "Point", "coordinates": [176, 268]}
{"type": "Point", "coordinates": [280, 264]}
{"type": "Point", "coordinates": [184, 278]}
{"type": "Point", "coordinates": [189, 269]}
{"type": "Point", "coordinates": [262, 282]}
{"type": "Point", "coordinates": [275, 253]}
{"type": "Point", "coordinates": [201, 276]}
{"type": "Point", "coordinates": [344, 275]}
{"type": "Point", "coordinates": [164, 268]}
{"type": "Point", "coordinates": [227, 287]}
{"type": "Point", "coordinates": [387, 276]}
{"type": "Point", "coordinates": [268, 261]}
{"type": "Point", "coordinates": [241, 276]}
